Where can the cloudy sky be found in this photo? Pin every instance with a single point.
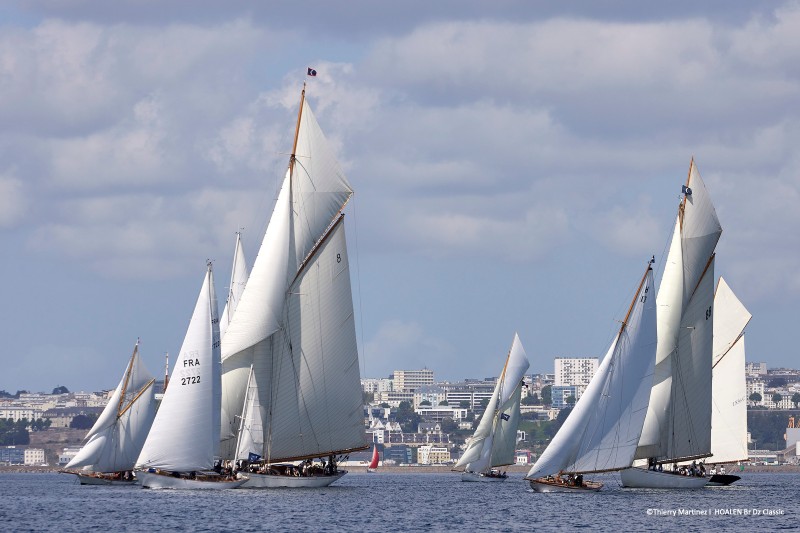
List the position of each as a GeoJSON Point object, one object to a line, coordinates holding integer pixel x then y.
{"type": "Point", "coordinates": [515, 165]}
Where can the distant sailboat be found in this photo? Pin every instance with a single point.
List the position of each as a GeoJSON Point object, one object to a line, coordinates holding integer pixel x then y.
{"type": "Point", "coordinates": [729, 391]}
{"type": "Point", "coordinates": [678, 422]}
{"type": "Point", "coordinates": [180, 449]}
{"type": "Point", "coordinates": [373, 463]}
{"type": "Point", "coordinates": [602, 430]}
{"type": "Point", "coordinates": [495, 439]}
{"type": "Point", "coordinates": [117, 437]}
{"type": "Point", "coordinates": [294, 327]}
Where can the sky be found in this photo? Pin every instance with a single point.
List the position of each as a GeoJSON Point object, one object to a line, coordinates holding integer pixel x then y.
{"type": "Point", "coordinates": [516, 163]}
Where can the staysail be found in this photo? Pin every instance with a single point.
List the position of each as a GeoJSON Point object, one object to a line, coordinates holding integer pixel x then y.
{"type": "Point", "coordinates": [239, 273]}
{"type": "Point", "coordinates": [729, 392]}
{"type": "Point", "coordinates": [679, 414]}
{"type": "Point", "coordinates": [185, 433]}
{"type": "Point", "coordinates": [494, 441]}
{"type": "Point", "coordinates": [114, 442]}
{"type": "Point", "coordinates": [603, 429]}
{"type": "Point", "coordinates": [295, 322]}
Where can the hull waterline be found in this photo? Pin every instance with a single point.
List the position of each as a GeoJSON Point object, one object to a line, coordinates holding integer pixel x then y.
{"type": "Point", "coordinates": [151, 480]}
{"type": "Point", "coordinates": [267, 481]}
{"type": "Point", "coordinates": [639, 478]}
{"type": "Point", "coordinates": [547, 485]}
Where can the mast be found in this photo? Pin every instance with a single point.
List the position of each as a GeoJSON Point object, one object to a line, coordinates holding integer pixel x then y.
{"type": "Point", "coordinates": [166, 371]}
{"type": "Point", "coordinates": [127, 379]}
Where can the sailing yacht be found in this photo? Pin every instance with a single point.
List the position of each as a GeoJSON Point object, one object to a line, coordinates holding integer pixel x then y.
{"type": "Point", "coordinates": [495, 439]}
{"type": "Point", "coordinates": [373, 463]}
{"type": "Point", "coordinates": [114, 442]}
{"type": "Point", "coordinates": [729, 390]}
{"type": "Point", "coordinates": [290, 360]}
{"type": "Point", "coordinates": [180, 450]}
{"type": "Point", "coordinates": [678, 422]}
{"type": "Point", "coordinates": [602, 430]}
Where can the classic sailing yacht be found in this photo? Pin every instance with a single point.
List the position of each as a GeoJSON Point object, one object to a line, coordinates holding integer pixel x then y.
{"type": "Point", "coordinates": [678, 422]}
{"type": "Point", "coordinates": [729, 392]}
{"type": "Point", "coordinates": [294, 326]}
{"type": "Point", "coordinates": [495, 439]}
{"type": "Point", "coordinates": [603, 429]}
{"type": "Point", "coordinates": [180, 449]}
{"type": "Point", "coordinates": [117, 437]}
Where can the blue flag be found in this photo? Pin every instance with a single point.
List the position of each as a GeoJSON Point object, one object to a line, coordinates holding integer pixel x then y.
{"type": "Point", "coordinates": [253, 457]}
{"type": "Point", "coordinates": [311, 72]}
{"type": "Point", "coordinates": [504, 416]}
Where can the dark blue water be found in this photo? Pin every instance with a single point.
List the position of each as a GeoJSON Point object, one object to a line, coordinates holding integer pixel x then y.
{"type": "Point", "coordinates": [387, 502]}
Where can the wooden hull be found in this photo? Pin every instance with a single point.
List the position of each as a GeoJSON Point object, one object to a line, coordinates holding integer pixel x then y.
{"type": "Point", "coordinates": [639, 478]}
{"type": "Point", "coordinates": [551, 485]}
{"type": "Point", "coordinates": [480, 477]}
{"type": "Point", "coordinates": [152, 480]}
{"type": "Point", "coordinates": [722, 480]}
{"type": "Point", "coordinates": [98, 479]}
{"type": "Point", "coordinates": [268, 481]}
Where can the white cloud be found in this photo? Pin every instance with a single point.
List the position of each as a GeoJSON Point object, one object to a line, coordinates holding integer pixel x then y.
{"type": "Point", "coordinates": [404, 345]}
{"type": "Point", "coordinates": [13, 201]}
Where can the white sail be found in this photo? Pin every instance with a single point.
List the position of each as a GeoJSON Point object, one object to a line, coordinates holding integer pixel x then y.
{"type": "Point", "coordinates": [697, 231]}
{"type": "Point", "coordinates": [310, 388]}
{"type": "Point", "coordinates": [603, 429]}
{"type": "Point", "coordinates": [114, 442]}
{"type": "Point", "coordinates": [494, 441]}
{"type": "Point", "coordinates": [185, 433]}
{"type": "Point", "coordinates": [294, 323]}
{"type": "Point", "coordinates": [251, 432]}
{"type": "Point", "coordinates": [729, 393]}
{"type": "Point", "coordinates": [239, 273]}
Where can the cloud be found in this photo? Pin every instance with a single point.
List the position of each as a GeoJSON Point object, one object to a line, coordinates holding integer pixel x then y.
{"type": "Point", "coordinates": [13, 201]}
{"type": "Point", "coordinates": [404, 345]}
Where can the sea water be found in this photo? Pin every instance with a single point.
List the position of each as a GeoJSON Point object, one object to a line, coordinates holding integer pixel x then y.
{"type": "Point", "coordinates": [391, 502]}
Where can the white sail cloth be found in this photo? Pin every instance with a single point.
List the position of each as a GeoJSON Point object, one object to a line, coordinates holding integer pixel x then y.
{"type": "Point", "coordinates": [185, 433]}
{"type": "Point", "coordinates": [116, 438]}
{"type": "Point", "coordinates": [239, 273]}
{"type": "Point", "coordinates": [679, 414]}
{"type": "Point", "coordinates": [494, 441]}
{"type": "Point", "coordinates": [602, 431]}
{"type": "Point", "coordinates": [729, 391]}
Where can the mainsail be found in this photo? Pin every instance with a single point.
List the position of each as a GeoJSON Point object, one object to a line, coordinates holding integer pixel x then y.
{"type": "Point", "coordinates": [603, 429]}
{"type": "Point", "coordinates": [729, 393]}
{"type": "Point", "coordinates": [679, 415]}
{"type": "Point", "coordinates": [495, 438]}
{"type": "Point", "coordinates": [294, 324]}
{"type": "Point", "coordinates": [185, 433]}
{"type": "Point", "coordinates": [114, 442]}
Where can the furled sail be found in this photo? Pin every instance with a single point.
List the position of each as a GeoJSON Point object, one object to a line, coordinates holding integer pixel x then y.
{"type": "Point", "coordinates": [251, 431]}
{"type": "Point", "coordinates": [114, 442]}
{"type": "Point", "coordinates": [185, 433]}
{"type": "Point", "coordinates": [679, 414]}
{"type": "Point", "coordinates": [729, 392]}
{"type": "Point", "coordinates": [494, 441]}
{"type": "Point", "coordinates": [602, 431]}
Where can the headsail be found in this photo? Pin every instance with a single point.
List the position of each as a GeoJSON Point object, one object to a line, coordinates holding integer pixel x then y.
{"type": "Point", "coordinates": [603, 429]}
{"type": "Point", "coordinates": [729, 392]}
{"type": "Point", "coordinates": [239, 273]}
{"type": "Point", "coordinates": [185, 433]}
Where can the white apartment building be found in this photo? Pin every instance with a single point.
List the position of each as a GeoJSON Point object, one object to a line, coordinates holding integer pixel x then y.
{"type": "Point", "coordinates": [755, 369]}
{"type": "Point", "coordinates": [18, 413]}
{"type": "Point", "coordinates": [431, 455]}
{"type": "Point", "coordinates": [574, 370]}
{"type": "Point", "coordinates": [431, 394]}
{"type": "Point", "coordinates": [410, 380]}
{"type": "Point", "coordinates": [34, 456]}
{"type": "Point", "coordinates": [754, 385]}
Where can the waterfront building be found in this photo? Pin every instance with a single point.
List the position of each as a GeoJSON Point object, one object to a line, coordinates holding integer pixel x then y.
{"type": "Point", "coordinates": [12, 455]}
{"type": "Point", "coordinates": [34, 456]}
{"type": "Point", "coordinates": [431, 455]}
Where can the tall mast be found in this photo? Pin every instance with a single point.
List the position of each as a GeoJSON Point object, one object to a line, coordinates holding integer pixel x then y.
{"type": "Point", "coordinates": [297, 131]}
{"type": "Point", "coordinates": [166, 371]}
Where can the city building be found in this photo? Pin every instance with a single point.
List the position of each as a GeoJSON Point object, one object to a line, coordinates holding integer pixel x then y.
{"type": "Point", "coordinates": [431, 455]}
{"type": "Point", "coordinates": [561, 393]}
{"type": "Point", "coordinates": [374, 385]}
{"type": "Point", "coordinates": [17, 413]}
{"type": "Point", "coordinates": [432, 394]}
{"type": "Point", "coordinates": [34, 456]}
{"type": "Point", "coordinates": [393, 398]}
{"type": "Point", "coordinates": [411, 380]}
{"type": "Point", "coordinates": [12, 455]}
{"type": "Point", "coordinates": [755, 369]}
{"type": "Point", "coordinates": [574, 370]}
{"type": "Point", "coordinates": [439, 413]}
{"type": "Point", "coordinates": [67, 455]}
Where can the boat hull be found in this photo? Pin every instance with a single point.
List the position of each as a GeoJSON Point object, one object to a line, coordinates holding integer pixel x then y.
{"type": "Point", "coordinates": [548, 485]}
{"type": "Point", "coordinates": [95, 479]}
{"type": "Point", "coordinates": [268, 481]}
{"type": "Point", "coordinates": [152, 480]}
{"type": "Point", "coordinates": [639, 478]}
{"type": "Point", "coordinates": [480, 478]}
{"type": "Point", "coordinates": [722, 480]}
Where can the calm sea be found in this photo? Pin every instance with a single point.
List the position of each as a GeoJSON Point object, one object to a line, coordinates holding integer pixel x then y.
{"type": "Point", "coordinates": [387, 502]}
